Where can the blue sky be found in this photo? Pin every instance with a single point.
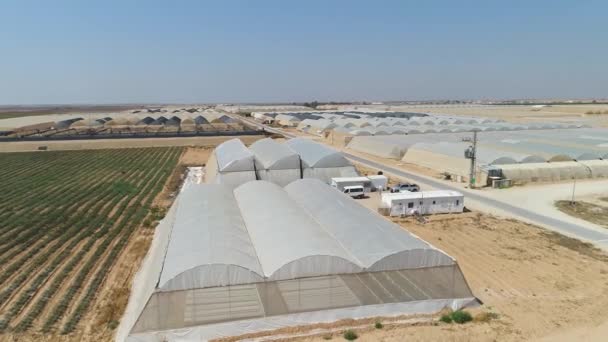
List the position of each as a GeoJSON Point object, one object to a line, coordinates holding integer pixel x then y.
{"type": "Point", "coordinates": [284, 51]}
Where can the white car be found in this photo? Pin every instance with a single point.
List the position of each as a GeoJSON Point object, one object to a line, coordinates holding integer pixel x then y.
{"type": "Point", "coordinates": [355, 191]}
{"type": "Point", "coordinates": [401, 187]}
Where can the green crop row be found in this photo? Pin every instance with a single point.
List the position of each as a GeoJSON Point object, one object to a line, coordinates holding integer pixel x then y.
{"type": "Point", "coordinates": [83, 208]}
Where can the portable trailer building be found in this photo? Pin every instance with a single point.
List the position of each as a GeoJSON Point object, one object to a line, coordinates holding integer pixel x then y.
{"type": "Point", "coordinates": [423, 203]}
{"type": "Point", "coordinates": [341, 182]}
{"type": "Point", "coordinates": [275, 162]}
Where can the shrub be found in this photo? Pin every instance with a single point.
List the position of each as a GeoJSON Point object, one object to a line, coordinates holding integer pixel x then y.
{"type": "Point", "coordinates": [485, 316]}
{"type": "Point", "coordinates": [379, 325]}
{"type": "Point", "coordinates": [350, 335]}
{"type": "Point", "coordinates": [461, 317]}
{"type": "Point", "coordinates": [113, 324]}
{"type": "Point", "coordinates": [446, 319]}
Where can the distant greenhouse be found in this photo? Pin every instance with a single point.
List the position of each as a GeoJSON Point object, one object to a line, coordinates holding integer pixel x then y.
{"type": "Point", "coordinates": [146, 121]}
{"type": "Point", "coordinates": [64, 124]}
{"type": "Point", "coordinates": [161, 120]}
{"type": "Point", "coordinates": [174, 121]}
{"type": "Point", "coordinates": [200, 120]}
{"type": "Point", "coordinates": [524, 155]}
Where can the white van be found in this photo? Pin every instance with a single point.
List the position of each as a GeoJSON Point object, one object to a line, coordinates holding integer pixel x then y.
{"type": "Point", "coordinates": [354, 191]}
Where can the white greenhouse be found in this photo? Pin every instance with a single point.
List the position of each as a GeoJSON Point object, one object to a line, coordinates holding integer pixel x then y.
{"type": "Point", "coordinates": [228, 262]}
{"type": "Point", "coordinates": [275, 162]}
{"type": "Point", "coordinates": [320, 161]}
{"type": "Point", "coordinates": [231, 164]}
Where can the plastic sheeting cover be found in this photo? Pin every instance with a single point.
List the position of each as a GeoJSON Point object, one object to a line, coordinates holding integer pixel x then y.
{"type": "Point", "coordinates": [316, 155]}
{"type": "Point", "coordinates": [210, 245]}
{"type": "Point", "coordinates": [289, 243]}
{"type": "Point", "coordinates": [371, 239]}
{"type": "Point", "coordinates": [233, 155]}
{"type": "Point", "coordinates": [270, 154]}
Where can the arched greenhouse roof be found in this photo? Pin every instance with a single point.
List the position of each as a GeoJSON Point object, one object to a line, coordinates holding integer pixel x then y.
{"type": "Point", "coordinates": [503, 161]}
{"type": "Point", "coordinates": [289, 243]}
{"type": "Point", "coordinates": [221, 237]}
{"type": "Point", "coordinates": [360, 132]}
{"type": "Point", "coordinates": [588, 156]}
{"type": "Point", "coordinates": [233, 155]}
{"type": "Point", "coordinates": [209, 245]}
{"type": "Point", "coordinates": [315, 155]}
{"type": "Point", "coordinates": [271, 155]}
{"type": "Point", "coordinates": [370, 239]}
{"type": "Point", "coordinates": [533, 159]}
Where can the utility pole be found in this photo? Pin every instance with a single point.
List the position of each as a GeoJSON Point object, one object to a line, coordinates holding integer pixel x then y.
{"type": "Point", "coordinates": [471, 154]}
{"type": "Point", "coordinates": [573, 202]}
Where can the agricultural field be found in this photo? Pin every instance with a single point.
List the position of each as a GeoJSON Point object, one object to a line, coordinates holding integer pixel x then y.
{"type": "Point", "coordinates": [66, 219]}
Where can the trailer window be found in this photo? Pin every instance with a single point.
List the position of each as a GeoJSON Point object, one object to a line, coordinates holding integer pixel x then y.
{"type": "Point", "coordinates": [410, 205]}
{"type": "Point", "coordinates": [433, 202]}
{"type": "Point", "coordinates": [457, 202]}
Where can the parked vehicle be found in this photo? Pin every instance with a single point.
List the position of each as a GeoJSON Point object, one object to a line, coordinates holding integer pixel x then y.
{"type": "Point", "coordinates": [341, 183]}
{"type": "Point", "coordinates": [354, 191]}
{"type": "Point", "coordinates": [401, 187]}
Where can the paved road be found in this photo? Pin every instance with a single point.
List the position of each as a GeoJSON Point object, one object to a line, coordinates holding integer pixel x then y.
{"type": "Point", "coordinates": [600, 238]}
{"type": "Point", "coordinates": [267, 128]}
{"type": "Point", "coordinates": [574, 230]}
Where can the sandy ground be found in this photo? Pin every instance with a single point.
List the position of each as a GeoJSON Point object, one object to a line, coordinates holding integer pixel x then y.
{"type": "Point", "coordinates": [539, 284]}
{"type": "Point", "coordinates": [528, 197]}
{"type": "Point", "coordinates": [591, 208]}
{"type": "Point", "coordinates": [22, 146]}
{"type": "Point", "coordinates": [196, 156]}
